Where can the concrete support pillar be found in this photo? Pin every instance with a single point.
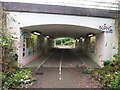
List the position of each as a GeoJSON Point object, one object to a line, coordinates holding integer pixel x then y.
{"type": "Point", "coordinates": [108, 46]}
{"type": "Point", "coordinates": [99, 54]}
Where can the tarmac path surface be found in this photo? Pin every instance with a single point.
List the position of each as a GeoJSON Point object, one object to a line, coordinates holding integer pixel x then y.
{"type": "Point", "coordinates": [64, 69]}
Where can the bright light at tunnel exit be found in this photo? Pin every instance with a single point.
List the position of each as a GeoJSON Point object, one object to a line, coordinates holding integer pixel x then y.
{"type": "Point", "coordinates": [66, 43]}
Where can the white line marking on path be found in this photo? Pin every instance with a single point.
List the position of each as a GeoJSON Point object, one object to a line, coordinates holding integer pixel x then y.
{"type": "Point", "coordinates": [43, 62]}
{"type": "Point", "coordinates": [60, 67]}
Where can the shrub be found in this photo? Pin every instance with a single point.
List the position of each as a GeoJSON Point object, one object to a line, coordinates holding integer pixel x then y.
{"type": "Point", "coordinates": [115, 80]}
{"type": "Point", "coordinates": [109, 75]}
{"type": "Point", "coordinates": [107, 63]}
{"type": "Point", "coordinates": [18, 79]}
{"type": "Point", "coordinates": [117, 56]}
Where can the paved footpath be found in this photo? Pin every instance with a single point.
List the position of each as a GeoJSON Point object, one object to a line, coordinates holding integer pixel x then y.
{"type": "Point", "coordinates": [63, 69]}
{"type": "Point", "coordinates": [70, 78]}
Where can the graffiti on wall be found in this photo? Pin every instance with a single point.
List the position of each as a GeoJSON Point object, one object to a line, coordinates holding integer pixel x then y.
{"type": "Point", "coordinates": [107, 29]}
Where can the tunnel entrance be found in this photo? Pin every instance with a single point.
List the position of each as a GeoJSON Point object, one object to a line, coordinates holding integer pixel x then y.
{"type": "Point", "coordinates": [38, 32]}
{"type": "Point", "coordinates": [59, 51]}
{"type": "Point", "coordinates": [39, 40]}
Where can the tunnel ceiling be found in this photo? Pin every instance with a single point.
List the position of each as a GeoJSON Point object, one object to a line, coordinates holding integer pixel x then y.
{"type": "Point", "coordinates": [56, 30]}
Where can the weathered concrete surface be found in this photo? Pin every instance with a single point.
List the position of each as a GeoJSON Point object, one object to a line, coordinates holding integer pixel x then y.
{"type": "Point", "coordinates": [57, 9]}
{"type": "Point", "coordinates": [71, 78]}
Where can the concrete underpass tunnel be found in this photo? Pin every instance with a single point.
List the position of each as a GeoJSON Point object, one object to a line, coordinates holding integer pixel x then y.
{"type": "Point", "coordinates": [37, 40]}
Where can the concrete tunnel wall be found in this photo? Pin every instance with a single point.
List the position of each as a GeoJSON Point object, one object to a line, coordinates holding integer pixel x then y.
{"type": "Point", "coordinates": [35, 48]}
{"type": "Point", "coordinates": [106, 43]}
{"type": "Point", "coordinates": [27, 52]}
{"type": "Point", "coordinates": [95, 50]}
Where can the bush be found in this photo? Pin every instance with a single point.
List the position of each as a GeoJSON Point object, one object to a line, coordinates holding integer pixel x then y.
{"type": "Point", "coordinates": [18, 79]}
{"type": "Point", "coordinates": [109, 75]}
{"type": "Point", "coordinates": [107, 63]}
{"type": "Point", "coordinates": [114, 80]}
{"type": "Point", "coordinates": [117, 56]}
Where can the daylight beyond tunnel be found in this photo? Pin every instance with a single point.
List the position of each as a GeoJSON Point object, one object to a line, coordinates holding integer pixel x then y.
{"type": "Point", "coordinates": [67, 43]}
